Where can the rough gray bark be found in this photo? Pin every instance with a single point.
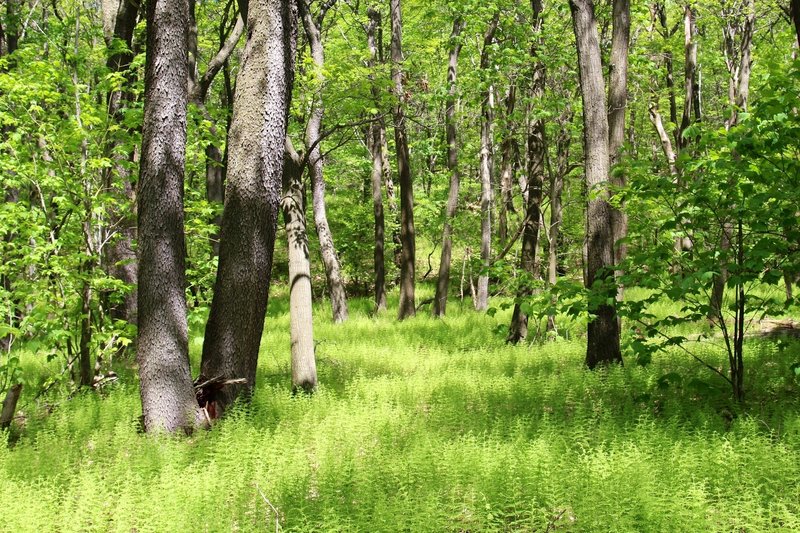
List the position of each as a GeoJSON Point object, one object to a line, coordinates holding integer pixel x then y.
{"type": "Point", "coordinates": [407, 236]}
{"type": "Point", "coordinates": [333, 269]}
{"type": "Point", "coordinates": [301, 323]}
{"type": "Point", "coordinates": [603, 331]}
{"type": "Point", "coordinates": [168, 401]}
{"type": "Point", "coordinates": [518, 329]}
{"type": "Point", "coordinates": [617, 104]}
{"type": "Point", "coordinates": [252, 195]}
{"type": "Point", "coordinates": [486, 170]}
{"type": "Point", "coordinates": [506, 203]}
{"type": "Point", "coordinates": [443, 280]}
{"type": "Point", "coordinates": [120, 255]}
{"type": "Point", "coordinates": [376, 151]}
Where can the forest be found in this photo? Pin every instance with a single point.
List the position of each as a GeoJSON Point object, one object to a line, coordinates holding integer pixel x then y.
{"type": "Point", "coordinates": [394, 265]}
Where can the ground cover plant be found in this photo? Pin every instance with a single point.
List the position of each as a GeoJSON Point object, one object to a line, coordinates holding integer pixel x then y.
{"type": "Point", "coordinates": [428, 425]}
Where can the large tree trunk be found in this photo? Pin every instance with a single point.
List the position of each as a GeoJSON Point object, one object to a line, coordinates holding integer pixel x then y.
{"type": "Point", "coordinates": [518, 329]}
{"type": "Point", "coordinates": [333, 270]}
{"type": "Point", "coordinates": [603, 331]}
{"type": "Point", "coordinates": [443, 280]}
{"type": "Point", "coordinates": [120, 254]}
{"type": "Point", "coordinates": [407, 235]}
{"type": "Point", "coordinates": [617, 104]}
{"type": "Point", "coordinates": [301, 324]}
{"type": "Point", "coordinates": [168, 401]}
{"type": "Point", "coordinates": [486, 170]}
{"type": "Point", "coordinates": [376, 152]}
{"type": "Point", "coordinates": [253, 189]}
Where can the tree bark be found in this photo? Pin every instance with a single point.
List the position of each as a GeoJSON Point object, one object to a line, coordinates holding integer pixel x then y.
{"type": "Point", "coordinates": [617, 104]}
{"type": "Point", "coordinates": [333, 269]}
{"type": "Point", "coordinates": [603, 330]}
{"type": "Point", "coordinates": [301, 324]}
{"type": "Point", "coordinates": [168, 401]}
{"type": "Point", "coordinates": [518, 329]}
{"type": "Point", "coordinates": [795, 10]}
{"type": "Point", "coordinates": [486, 170]}
{"type": "Point", "coordinates": [252, 195]}
{"type": "Point", "coordinates": [407, 307]}
{"type": "Point", "coordinates": [506, 203]}
{"type": "Point", "coordinates": [443, 280]}
{"type": "Point", "coordinates": [690, 75]}
{"type": "Point", "coordinates": [563, 142]}
{"type": "Point", "coordinates": [376, 152]}
{"type": "Point", "coordinates": [10, 405]}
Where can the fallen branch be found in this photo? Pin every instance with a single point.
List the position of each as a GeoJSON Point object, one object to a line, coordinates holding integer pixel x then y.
{"type": "Point", "coordinates": [274, 510]}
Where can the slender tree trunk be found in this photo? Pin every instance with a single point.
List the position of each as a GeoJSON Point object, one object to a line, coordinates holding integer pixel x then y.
{"type": "Point", "coordinates": [690, 73]}
{"type": "Point", "coordinates": [333, 270]}
{"type": "Point", "coordinates": [407, 234]}
{"type": "Point", "coordinates": [486, 170]}
{"type": "Point", "coordinates": [376, 152]}
{"type": "Point", "coordinates": [120, 254]}
{"type": "Point", "coordinates": [737, 38]}
{"type": "Point", "coordinates": [617, 104]}
{"type": "Point", "coordinates": [518, 329]}
{"type": "Point", "coordinates": [252, 195]}
{"type": "Point", "coordinates": [603, 331]}
{"type": "Point", "coordinates": [443, 280]}
{"type": "Point", "coordinates": [795, 11]}
{"type": "Point", "coordinates": [301, 324]}
{"type": "Point", "coordinates": [563, 141]}
{"type": "Point", "coordinates": [506, 204]}
{"type": "Point", "coordinates": [168, 401]}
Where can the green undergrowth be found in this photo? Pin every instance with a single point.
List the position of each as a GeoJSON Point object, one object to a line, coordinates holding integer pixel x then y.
{"type": "Point", "coordinates": [428, 425]}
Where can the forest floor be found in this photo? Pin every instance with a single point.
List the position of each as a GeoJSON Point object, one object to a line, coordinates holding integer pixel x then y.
{"type": "Point", "coordinates": [427, 425]}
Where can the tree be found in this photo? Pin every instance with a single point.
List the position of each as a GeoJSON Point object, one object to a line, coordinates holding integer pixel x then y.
{"type": "Point", "coordinates": [603, 329]}
{"type": "Point", "coordinates": [304, 368]}
{"type": "Point", "coordinates": [252, 195]}
{"type": "Point", "coordinates": [333, 270]}
{"type": "Point", "coordinates": [407, 236]}
{"type": "Point", "coordinates": [443, 280]}
{"type": "Point", "coordinates": [168, 401]}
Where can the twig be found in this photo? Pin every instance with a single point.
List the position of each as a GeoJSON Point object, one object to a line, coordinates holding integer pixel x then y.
{"type": "Point", "coordinates": [274, 510]}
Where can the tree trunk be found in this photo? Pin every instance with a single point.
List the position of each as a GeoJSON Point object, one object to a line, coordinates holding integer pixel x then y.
{"type": "Point", "coordinates": [443, 280]}
{"type": "Point", "coordinates": [304, 367]}
{"type": "Point", "coordinates": [738, 36]}
{"type": "Point", "coordinates": [486, 170]}
{"type": "Point", "coordinates": [333, 270]}
{"type": "Point", "coordinates": [376, 151]}
{"type": "Point", "coordinates": [252, 195]}
{"type": "Point", "coordinates": [506, 203]}
{"type": "Point", "coordinates": [168, 401]}
{"type": "Point", "coordinates": [518, 329]}
{"type": "Point", "coordinates": [617, 104]}
{"type": "Point", "coordinates": [603, 330]}
{"type": "Point", "coordinates": [795, 9]}
{"type": "Point", "coordinates": [563, 141]}
{"type": "Point", "coordinates": [120, 255]}
{"type": "Point", "coordinates": [690, 74]}
{"type": "Point", "coordinates": [407, 235]}
{"type": "Point", "coordinates": [10, 405]}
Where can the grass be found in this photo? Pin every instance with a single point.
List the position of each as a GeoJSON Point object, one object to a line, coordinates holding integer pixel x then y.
{"type": "Point", "coordinates": [427, 425]}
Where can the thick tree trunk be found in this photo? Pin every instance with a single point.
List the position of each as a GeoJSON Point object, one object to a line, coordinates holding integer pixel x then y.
{"type": "Point", "coordinates": [407, 235]}
{"type": "Point", "coordinates": [120, 255]}
{"type": "Point", "coordinates": [443, 280]}
{"type": "Point", "coordinates": [10, 405]}
{"type": "Point", "coordinates": [603, 331]}
{"type": "Point", "coordinates": [252, 195]}
{"type": "Point", "coordinates": [301, 324]}
{"type": "Point", "coordinates": [333, 270]}
{"type": "Point", "coordinates": [376, 152]}
{"type": "Point", "coordinates": [518, 329]}
{"type": "Point", "coordinates": [486, 170]}
{"type": "Point", "coordinates": [617, 104]}
{"type": "Point", "coordinates": [168, 401]}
